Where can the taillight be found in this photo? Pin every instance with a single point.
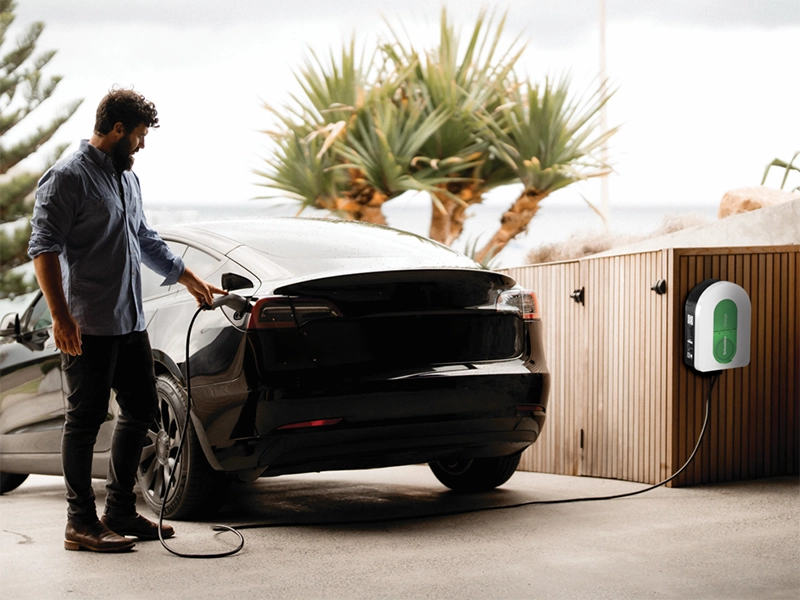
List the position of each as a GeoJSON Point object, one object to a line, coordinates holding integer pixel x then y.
{"type": "Point", "coordinates": [314, 423]}
{"type": "Point", "coordinates": [524, 302]}
{"type": "Point", "coordinates": [308, 309]}
{"type": "Point", "coordinates": [278, 312]}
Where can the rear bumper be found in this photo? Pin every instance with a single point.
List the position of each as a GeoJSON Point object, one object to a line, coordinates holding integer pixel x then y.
{"type": "Point", "coordinates": [458, 412]}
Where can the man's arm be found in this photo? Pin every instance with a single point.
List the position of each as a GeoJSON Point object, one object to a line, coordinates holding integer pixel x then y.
{"type": "Point", "coordinates": [157, 255]}
{"type": "Point", "coordinates": [66, 331]}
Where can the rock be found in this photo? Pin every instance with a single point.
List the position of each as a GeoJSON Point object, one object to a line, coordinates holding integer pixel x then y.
{"type": "Point", "coordinates": [752, 198]}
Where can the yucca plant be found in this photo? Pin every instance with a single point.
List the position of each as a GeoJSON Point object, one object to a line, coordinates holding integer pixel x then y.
{"type": "Point", "coordinates": [361, 102]}
{"type": "Point", "coordinates": [332, 92]}
{"type": "Point", "coordinates": [454, 122]}
{"type": "Point", "coordinates": [549, 139]}
{"type": "Point", "coordinates": [381, 153]}
{"type": "Point", "coordinates": [788, 168]}
{"type": "Point", "coordinates": [465, 80]}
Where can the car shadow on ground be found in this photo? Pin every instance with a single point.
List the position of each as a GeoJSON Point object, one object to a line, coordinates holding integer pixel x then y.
{"type": "Point", "coordinates": [328, 501]}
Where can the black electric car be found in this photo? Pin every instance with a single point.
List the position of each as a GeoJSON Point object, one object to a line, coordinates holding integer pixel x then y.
{"type": "Point", "coordinates": [358, 346]}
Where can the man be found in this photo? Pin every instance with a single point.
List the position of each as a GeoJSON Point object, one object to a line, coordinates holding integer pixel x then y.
{"type": "Point", "coordinates": [89, 239]}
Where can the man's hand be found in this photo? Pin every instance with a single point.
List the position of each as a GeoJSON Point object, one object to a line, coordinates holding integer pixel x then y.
{"type": "Point", "coordinates": [67, 335]}
{"type": "Point", "coordinates": [201, 290]}
{"type": "Point", "coordinates": [66, 331]}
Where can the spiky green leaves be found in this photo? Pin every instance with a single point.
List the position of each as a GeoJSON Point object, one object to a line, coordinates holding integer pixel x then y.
{"type": "Point", "coordinates": [453, 121]}
{"type": "Point", "coordinates": [547, 136]}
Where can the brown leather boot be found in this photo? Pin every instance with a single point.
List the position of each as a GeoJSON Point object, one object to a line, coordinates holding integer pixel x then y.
{"type": "Point", "coordinates": [138, 526]}
{"type": "Point", "coordinates": [95, 537]}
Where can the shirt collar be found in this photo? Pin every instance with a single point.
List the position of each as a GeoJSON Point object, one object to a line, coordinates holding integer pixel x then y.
{"type": "Point", "coordinates": [98, 156]}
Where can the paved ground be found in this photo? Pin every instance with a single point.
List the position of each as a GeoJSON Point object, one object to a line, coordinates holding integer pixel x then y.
{"type": "Point", "coordinates": [723, 541]}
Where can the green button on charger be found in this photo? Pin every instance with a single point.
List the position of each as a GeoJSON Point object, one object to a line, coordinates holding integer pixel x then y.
{"type": "Point", "coordinates": [725, 319]}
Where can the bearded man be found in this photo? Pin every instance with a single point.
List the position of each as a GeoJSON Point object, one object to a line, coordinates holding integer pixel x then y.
{"type": "Point", "coordinates": [89, 239]}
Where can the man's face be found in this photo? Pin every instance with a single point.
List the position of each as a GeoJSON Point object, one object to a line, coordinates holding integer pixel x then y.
{"type": "Point", "coordinates": [128, 145]}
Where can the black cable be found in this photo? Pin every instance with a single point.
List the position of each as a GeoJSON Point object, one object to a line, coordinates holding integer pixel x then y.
{"type": "Point", "coordinates": [395, 519]}
{"type": "Point", "coordinates": [168, 482]}
{"type": "Point", "coordinates": [503, 506]}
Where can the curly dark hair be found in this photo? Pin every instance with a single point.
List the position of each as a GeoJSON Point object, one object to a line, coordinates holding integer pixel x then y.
{"type": "Point", "coordinates": [124, 106]}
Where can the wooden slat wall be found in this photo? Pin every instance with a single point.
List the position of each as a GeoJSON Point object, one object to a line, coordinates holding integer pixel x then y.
{"type": "Point", "coordinates": [618, 374]}
{"type": "Point", "coordinates": [557, 450]}
{"type": "Point", "coordinates": [754, 429]}
{"type": "Point", "coordinates": [625, 407]}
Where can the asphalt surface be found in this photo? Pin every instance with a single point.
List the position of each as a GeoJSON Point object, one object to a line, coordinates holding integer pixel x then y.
{"type": "Point", "coordinates": [739, 540]}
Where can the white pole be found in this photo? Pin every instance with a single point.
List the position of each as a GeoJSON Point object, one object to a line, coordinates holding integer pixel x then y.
{"type": "Point", "coordinates": [604, 200]}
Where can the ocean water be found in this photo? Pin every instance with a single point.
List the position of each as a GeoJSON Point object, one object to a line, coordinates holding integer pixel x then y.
{"type": "Point", "coordinates": [554, 223]}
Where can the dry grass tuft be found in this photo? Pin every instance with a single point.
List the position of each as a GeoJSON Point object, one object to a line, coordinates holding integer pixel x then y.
{"type": "Point", "coordinates": [591, 241]}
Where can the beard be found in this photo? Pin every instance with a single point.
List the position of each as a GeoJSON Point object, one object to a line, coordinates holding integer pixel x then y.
{"type": "Point", "coordinates": [121, 156]}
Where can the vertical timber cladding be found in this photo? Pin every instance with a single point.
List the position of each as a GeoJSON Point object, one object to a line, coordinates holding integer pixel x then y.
{"type": "Point", "coordinates": [754, 429]}
{"type": "Point", "coordinates": [608, 410]}
{"type": "Point", "coordinates": [622, 403]}
{"type": "Point", "coordinates": [558, 448]}
{"type": "Point", "coordinates": [626, 406]}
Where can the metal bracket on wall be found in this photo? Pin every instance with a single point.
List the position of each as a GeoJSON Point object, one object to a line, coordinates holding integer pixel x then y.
{"type": "Point", "coordinates": [577, 295]}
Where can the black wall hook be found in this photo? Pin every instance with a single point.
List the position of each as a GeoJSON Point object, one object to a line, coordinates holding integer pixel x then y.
{"type": "Point", "coordinates": [659, 287]}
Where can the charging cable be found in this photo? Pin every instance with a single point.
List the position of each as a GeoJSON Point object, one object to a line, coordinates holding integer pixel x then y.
{"type": "Point", "coordinates": [231, 300]}
{"type": "Point", "coordinates": [241, 304]}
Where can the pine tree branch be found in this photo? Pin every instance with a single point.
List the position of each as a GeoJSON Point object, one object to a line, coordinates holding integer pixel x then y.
{"type": "Point", "coordinates": [13, 196]}
{"type": "Point", "coordinates": [13, 155]}
{"type": "Point", "coordinates": [23, 88]}
{"type": "Point", "coordinates": [14, 247]}
{"type": "Point", "coordinates": [26, 44]}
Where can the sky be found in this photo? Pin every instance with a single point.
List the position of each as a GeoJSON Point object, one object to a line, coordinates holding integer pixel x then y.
{"type": "Point", "coordinates": [707, 96]}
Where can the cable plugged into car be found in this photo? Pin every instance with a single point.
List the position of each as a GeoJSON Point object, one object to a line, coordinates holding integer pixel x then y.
{"type": "Point", "coordinates": [234, 301]}
{"type": "Point", "coordinates": [717, 323]}
{"type": "Point", "coordinates": [241, 305]}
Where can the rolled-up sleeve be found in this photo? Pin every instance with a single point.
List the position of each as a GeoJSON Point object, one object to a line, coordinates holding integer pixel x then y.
{"type": "Point", "coordinates": [53, 213]}
{"type": "Point", "coordinates": [157, 255]}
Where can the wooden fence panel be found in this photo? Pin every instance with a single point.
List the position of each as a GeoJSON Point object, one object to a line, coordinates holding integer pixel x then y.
{"type": "Point", "coordinates": [557, 450]}
{"type": "Point", "coordinates": [626, 399]}
{"type": "Point", "coordinates": [623, 404]}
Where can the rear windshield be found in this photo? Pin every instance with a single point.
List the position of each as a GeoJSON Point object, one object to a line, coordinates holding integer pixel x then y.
{"type": "Point", "coordinates": [295, 240]}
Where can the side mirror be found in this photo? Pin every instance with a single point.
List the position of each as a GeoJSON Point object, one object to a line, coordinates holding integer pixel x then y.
{"type": "Point", "coordinates": [10, 325]}
{"type": "Point", "coordinates": [232, 281]}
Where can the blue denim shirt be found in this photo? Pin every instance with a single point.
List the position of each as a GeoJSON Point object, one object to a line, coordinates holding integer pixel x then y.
{"type": "Point", "coordinates": [101, 238]}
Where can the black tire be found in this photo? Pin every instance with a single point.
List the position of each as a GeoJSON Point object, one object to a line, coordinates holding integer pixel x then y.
{"type": "Point", "coordinates": [476, 474]}
{"type": "Point", "coordinates": [196, 489]}
{"type": "Point", "coordinates": [10, 481]}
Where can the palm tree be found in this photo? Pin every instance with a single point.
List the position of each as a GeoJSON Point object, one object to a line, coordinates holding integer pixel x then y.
{"type": "Point", "coordinates": [547, 138]}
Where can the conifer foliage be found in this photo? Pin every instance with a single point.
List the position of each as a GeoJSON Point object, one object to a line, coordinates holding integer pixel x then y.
{"type": "Point", "coordinates": [23, 89]}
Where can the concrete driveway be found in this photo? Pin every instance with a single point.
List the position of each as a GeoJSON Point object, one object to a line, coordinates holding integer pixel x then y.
{"type": "Point", "coordinates": [737, 540]}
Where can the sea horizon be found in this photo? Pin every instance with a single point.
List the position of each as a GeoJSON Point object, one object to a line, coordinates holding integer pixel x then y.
{"type": "Point", "coordinates": [554, 223]}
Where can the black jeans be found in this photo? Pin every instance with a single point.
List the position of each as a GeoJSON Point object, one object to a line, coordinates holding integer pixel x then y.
{"type": "Point", "coordinates": [123, 363]}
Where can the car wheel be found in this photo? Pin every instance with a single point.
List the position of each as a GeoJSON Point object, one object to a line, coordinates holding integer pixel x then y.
{"type": "Point", "coordinates": [477, 474]}
{"type": "Point", "coordinates": [10, 481]}
{"type": "Point", "coordinates": [196, 489]}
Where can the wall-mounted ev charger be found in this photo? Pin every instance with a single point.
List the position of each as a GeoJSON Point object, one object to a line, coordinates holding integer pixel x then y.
{"type": "Point", "coordinates": [717, 326]}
